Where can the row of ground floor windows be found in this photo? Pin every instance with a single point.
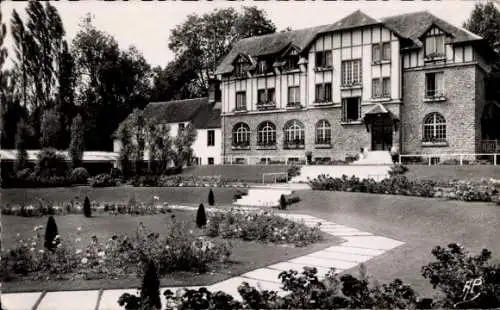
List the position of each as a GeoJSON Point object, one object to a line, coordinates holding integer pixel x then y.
{"type": "Point", "coordinates": [434, 129]}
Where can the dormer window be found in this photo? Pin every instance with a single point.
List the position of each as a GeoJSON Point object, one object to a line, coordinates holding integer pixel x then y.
{"type": "Point", "coordinates": [291, 62]}
{"type": "Point", "coordinates": [240, 67]}
{"type": "Point", "coordinates": [434, 46]}
{"type": "Point", "coordinates": [323, 60]}
{"type": "Point", "coordinates": [263, 67]}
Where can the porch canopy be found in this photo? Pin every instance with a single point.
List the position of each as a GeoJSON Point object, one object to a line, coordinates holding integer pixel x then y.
{"type": "Point", "coordinates": [378, 113]}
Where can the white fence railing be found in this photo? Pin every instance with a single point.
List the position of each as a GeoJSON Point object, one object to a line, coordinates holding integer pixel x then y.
{"type": "Point", "coordinates": [460, 159]}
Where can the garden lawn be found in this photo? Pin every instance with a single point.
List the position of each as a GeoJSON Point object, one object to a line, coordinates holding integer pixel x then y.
{"type": "Point", "coordinates": [243, 173]}
{"type": "Point", "coordinates": [447, 172]}
{"type": "Point", "coordinates": [122, 194]}
{"type": "Point", "coordinates": [422, 223]}
{"type": "Point", "coordinates": [245, 256]}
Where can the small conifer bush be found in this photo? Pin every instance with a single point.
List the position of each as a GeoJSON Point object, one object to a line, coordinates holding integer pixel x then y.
{"type": "Point", "coordinates": [87, 210]}
{"type": "Point", "coordinates": [211, 198]}
{"type": "Point", "coordinates": [201, 216]}
{"type": "Point", "coordinates": [51, 233]}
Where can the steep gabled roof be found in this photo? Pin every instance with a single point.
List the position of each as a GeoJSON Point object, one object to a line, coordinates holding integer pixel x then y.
{"type": "Point", "coordinates": [410, 27]}
{"type": "Point", "coordinates": [199, 111]}
{"type": "Point", "coordinates": [353, 20]}
{"type": "Point", "coordinates": [268, 45]}
{"type": "Point", "coordinates": [413, 25]}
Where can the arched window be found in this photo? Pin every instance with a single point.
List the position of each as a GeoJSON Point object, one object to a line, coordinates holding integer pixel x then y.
{"type": "Point", "coordinates": [266, 134]}
{"type": "Point", "coordinates": [294, 132]}
{"type": "Point", "coordinates": [434, 128]}
{"type": "Point", "coordinates": [323, 132]}
{"type": "Point", "coordinates": [241, 135]}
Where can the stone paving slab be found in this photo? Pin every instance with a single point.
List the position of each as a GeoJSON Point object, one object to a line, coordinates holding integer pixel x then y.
{"type": "Point", "coordinates": [109, 298]}
{"type": "Point", "coordinates": [351, 233]}
{"type": "Point", "coordinates": [356, 258]}
{"type": "Point", "coordinates": [19, 301]}
{"type": "Point", "coordinates": [372, 242]}
{"type": "Point", "coordinates": [353, 250]}
{"type": "Point", "coordinates": [75, 300]}
{"type": "Point", "coordinates": [325, 263]}
{"type": "Point", "coordinates": [265, 274]}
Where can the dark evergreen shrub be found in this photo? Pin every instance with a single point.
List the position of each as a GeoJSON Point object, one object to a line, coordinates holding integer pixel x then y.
{"type": "Point", "coordinates": [150, 289]}
{"type": "Point", "coordinates": [283, 202]}
{"type": "Point", "coordinates": [87, 209]}
{"type": "Point", "coordinates": [79, 175]}
{"type": "Point", "coordinates": [211, 199]}
{"type": "Point", "coordinates": [50, 234]}
{"type": "Point", "coordinates": [201, 216]}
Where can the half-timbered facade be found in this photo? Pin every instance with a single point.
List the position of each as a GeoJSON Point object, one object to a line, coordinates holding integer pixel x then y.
{"type": "Point", "coordinates": [412, 81]}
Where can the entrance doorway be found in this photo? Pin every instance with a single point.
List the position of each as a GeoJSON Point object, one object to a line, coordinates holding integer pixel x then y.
{"type": "Point", "coordinates": [381, 133]}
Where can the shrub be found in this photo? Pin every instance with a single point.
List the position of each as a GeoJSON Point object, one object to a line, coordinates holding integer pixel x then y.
{"type": "Point", "coordinates": [201, 216]}
{"type": "Point", "coordinates": [261, 226]}
{"type": "Point", "coordinates": [293, 171]}
{"type": "Point", "coordinates": [150, 289]}
{"type": "Point", "coordinates": [87, 210]}
{"type": "Point", "coordinates": [51, 234]}
{"type": "Point", "coordinates": [239, 194]}
{"type": "Point", "coordinates": [453, 267]}
{"type": "Point", "coordinates": [283, 202]}
{"type": "Point", "coordinates": [103, 180]}
{"type": "Point", "coordinates": [211, 199]}
{"type": "Point", "coordinates": [50, 164]}
{"type": "Point", "coordinates": [398, 169]}
{"type": "Point", "coordinates": [79, 175]}
{"type": "Point", "coordinates": [116, 173]}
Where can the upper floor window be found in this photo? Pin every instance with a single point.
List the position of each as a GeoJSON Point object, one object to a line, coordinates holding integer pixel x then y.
{"type": "Point", "coordinates": [210, 138]}
{"type": "Point", "coordinates": [434, 84]}
{"type": "Point", "coordinates": [434, 46]}
{"type": "Point", "coordinates": [291, 63]}
{"type": "Point", "coordinates": [351, 72]}
{"type": "Point", "coordinates": [263, 67]}
{"type": "Point", "coordinates": [434, 128]}
{"type": "Point", "coordinates": [386, 51]}
{"type": "Point", "coordinates": [266, 95]}
{"type": "Point", "coordinates": [324, 92]}
{"type": "Point", "coordinates": [381, 52]}
{"type": "Point", "coordinates": [293, 95]}
{"type": "Point", "coordinates": [381, 87]}
{"type": "Point", "coordinates": [351, 109]}
{"type": "Point", "coordinates": [324, 59]}
{"type": "Point", "coordinates": [181, 127]}
{"type": "Point", "coordinates": [241, 101]}
{"type": "Point", "coordinates": [240, 67]}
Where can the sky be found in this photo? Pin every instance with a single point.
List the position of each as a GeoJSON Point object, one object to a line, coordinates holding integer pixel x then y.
{"type": "Point", "coordinates": [147, 25]}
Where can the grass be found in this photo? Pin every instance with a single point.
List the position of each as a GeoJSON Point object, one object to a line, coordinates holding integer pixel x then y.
{"type": "Point", "coordinates": [172, 195]}
{"type": "Point", "coordinates": [244, 173]}
{"type": "Point", "coordinates": [445, 172]}
{"type": "Point", "coordinates": [245, 256]}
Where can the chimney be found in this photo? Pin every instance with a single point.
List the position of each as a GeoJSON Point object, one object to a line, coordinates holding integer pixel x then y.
{"type": "Point", "coordinates": [214, 92]}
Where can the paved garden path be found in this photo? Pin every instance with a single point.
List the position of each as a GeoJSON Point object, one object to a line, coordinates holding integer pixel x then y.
{"type": "Point", "coordinates": [358, 247]}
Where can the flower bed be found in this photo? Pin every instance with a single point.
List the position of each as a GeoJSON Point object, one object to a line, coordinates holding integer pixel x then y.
{"type": "Point", "coordinates": [186, 181]}
{"type": "Point", "coordinates": [178, 249]}
{"type": "Point", "coordinates": [261, 226]}
{"type": "Point", "coordinates": [483, 190]}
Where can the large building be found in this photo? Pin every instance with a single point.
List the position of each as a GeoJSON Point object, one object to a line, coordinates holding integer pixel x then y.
{"type": "Point", "coordinates": [203, 113]}
{"type": "Point", "coordinates": [412, 81]}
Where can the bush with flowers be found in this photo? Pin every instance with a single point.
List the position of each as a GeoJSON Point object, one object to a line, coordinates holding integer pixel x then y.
{"type": "Point", "coordinates": [119, 256]}
{"type": "Point", "coordinates": [261, 226]}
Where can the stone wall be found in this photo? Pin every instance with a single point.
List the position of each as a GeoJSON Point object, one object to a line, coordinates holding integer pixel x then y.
{"type": "Point", "coordinates": [347, 139]}
{"type": "Point", "coordinates": [459, 110]}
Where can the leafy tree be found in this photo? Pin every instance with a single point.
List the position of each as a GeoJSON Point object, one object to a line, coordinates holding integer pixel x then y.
{"type": "Point", "coordinates": [11, 109]}
{"type": "Point", "coordinates": [111, 83]}
{"type": "Point", "coordinates": [201, 216]}
{"type": "Point", "coordinates": [211, 36]}
{"type": "Point", "coordinates": [183, 144]}
{"type": "Point", "coordinates": [211, 199]}
{"type": "Point", "coordinates": [51, 233]}
{"type": "Point", "coordinates": [485, 22]}
{"type": "Point", "coordinates": [21, 138]}
{"type": "Point", "coordinates": [3, 49]}
{"type": "Point", "coordinates": [51, 164]}
{"type": "Point", "coordinates": [159, 146]}
{"type": "Point", "coordinates": [50, 128]}
{"type": "Point", "coordinates": [65, 99]}
{"type": "Point", "coordinates": [126, 150]}
{"type": "Point", "coordinates": [77, 147]}
{"type": "Point", "coordinates": [21, 50]}
{"type": "Point", "coordinates": [87, 210]}
{"type": "Point", "coordinates": [138, 127]}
